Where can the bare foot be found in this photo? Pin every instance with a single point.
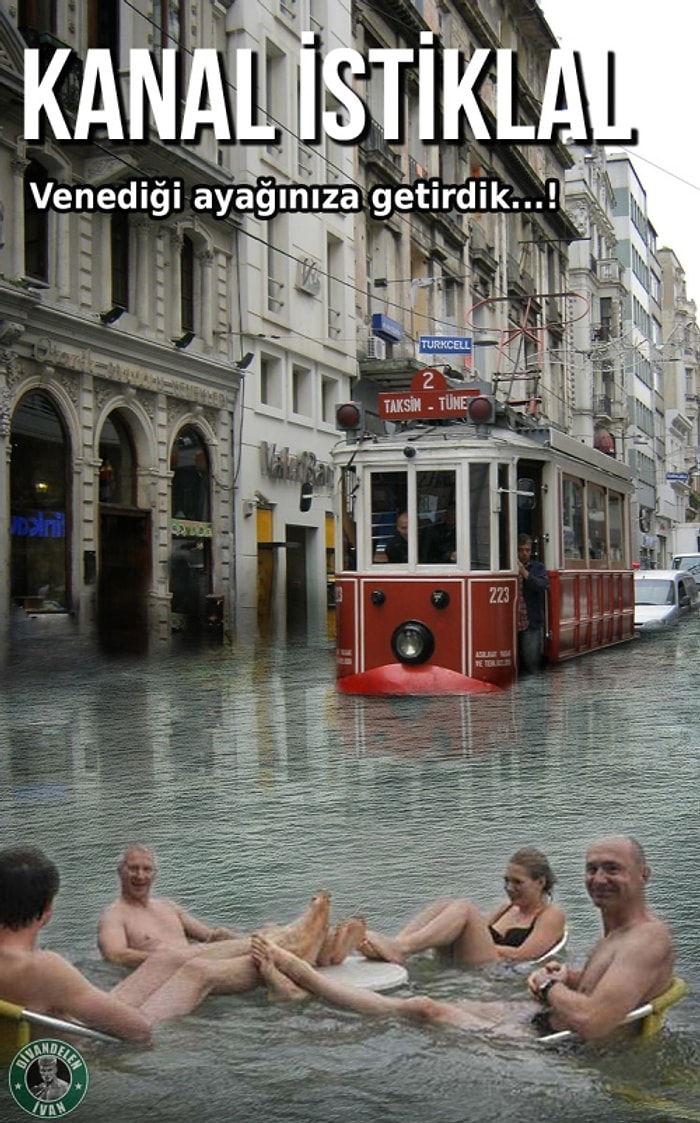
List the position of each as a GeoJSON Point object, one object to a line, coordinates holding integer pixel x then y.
{"type": "Point", "coordinates": [348, 935]}
{"type": "Point", "coordinates": [278, 985]}
{"type": "Point", "coordinates": [376, 946]}
{"type": "Point", "coordinates": [306, 937]}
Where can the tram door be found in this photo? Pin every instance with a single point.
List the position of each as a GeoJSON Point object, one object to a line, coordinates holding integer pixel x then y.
{"type": "Point", "coordinates": [530, 516]}
{"type": "Point", "coordinates": [124, 579]}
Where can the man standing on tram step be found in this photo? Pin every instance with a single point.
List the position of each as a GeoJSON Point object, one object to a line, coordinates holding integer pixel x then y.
{"type": "Point", "coordinates": [533, 582]}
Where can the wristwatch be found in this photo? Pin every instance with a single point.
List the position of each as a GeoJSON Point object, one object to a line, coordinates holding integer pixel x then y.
{"type": "Point", "coordinates": [543, 991]}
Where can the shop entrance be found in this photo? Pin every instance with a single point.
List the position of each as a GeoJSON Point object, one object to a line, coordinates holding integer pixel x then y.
{"type": "Point", "coordinates": [124, 579]}
{"type": "Point", "coordinates": [296, 580]}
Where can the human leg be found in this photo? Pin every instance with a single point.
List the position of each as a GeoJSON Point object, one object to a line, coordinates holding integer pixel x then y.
{"type": "Point", "coordinates": [341, 940]}
{"type": "Point", "coordinates": [465, 1015]}
{"type": "Point", "coordinates": [531, 646]}
{"type": "Point", "coordinates": [454, 924]}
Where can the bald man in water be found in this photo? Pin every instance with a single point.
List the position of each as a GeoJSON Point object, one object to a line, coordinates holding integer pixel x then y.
{"type": "Point", "coordinates": [137, 924]}
{"type": "Point", "coordinates": [631, 964]}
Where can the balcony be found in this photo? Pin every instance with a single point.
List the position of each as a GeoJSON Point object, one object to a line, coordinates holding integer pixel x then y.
{"type": "Point", "coordinates": [481, 251]}
{"type": "Point", "coordinates": [378, 154]}
{"type": "Point", "coordinates": [68, 88]}
{"type": "Point", "coordinates": [609, 270]}
{"type": "Point", "coordinates": [519, 283]}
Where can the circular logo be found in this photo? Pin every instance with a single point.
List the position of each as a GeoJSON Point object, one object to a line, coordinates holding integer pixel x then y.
{"type": "Point", "coordinates": [48, 1078]}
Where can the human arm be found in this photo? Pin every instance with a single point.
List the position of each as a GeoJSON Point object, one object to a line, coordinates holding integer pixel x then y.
{"type": "Point", "coordinates": [68, 994]}
{"type": "Point", "coordinates": [197, 930]}
{"type": "Point", "coordinates": [548, 931]}
{"type": "Point", "coordinates": [536, 576]}
{"type": "Point", "coordinates": [638, 969]}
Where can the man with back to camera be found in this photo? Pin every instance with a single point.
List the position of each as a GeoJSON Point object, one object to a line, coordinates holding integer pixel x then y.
{"type": "Point", "coordinates": [533, 583]}
{"type": "Point", "coordinates": [169, 983]}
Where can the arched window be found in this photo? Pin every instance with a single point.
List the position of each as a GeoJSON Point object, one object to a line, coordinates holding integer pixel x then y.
{"type": "Point", "coordinates": [190, 465]}
{"type": "Point", "coordinates": [118, 468]}
{"type": "Point", "coordinates": [39, 515]}
{"type": "Point", "coordinates": [36, 225]}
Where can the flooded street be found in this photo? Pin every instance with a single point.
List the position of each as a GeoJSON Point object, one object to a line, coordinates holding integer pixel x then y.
{"type": "Point", "coordinates": [256, 783]}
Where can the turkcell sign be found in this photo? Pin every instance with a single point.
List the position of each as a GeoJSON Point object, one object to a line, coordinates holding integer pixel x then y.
{"type": "Point", "coordinates": [445, 344]}
{"type": "Point", "coordinates": [680, 477]}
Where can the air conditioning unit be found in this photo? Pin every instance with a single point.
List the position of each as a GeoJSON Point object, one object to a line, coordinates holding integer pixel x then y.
{"type": "Point", "coordinates": [376, 348]}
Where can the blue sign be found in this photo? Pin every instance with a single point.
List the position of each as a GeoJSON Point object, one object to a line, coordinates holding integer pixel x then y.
{"type": "Point", "coordinates": [387, 329]}
{"type": "Point", "coordinates": [681, 477]}
{"type": "Point", "coordinates": [445, 344]}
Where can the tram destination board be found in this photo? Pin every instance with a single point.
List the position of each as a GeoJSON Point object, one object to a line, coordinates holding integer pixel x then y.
{"type": "Point", "coordinates": [429, 396]}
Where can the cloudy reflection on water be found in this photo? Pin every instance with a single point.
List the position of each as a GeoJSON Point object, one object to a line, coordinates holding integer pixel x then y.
{"type": "Point", "coordinates": [257, 783]}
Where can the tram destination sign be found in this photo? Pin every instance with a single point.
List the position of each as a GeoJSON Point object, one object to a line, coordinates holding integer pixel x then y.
{"type": "Point", "coordinates": [429, 397]}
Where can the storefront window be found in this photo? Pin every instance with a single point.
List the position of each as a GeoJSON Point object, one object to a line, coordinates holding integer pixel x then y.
{"type": "Point", "coordinates": [117, 470]}
{"type": "Point", "coordinates": [190, 562]}
{"type": "Point", "coordinates": [39, 507]}
{"type": "Point", "coordinates": [190, 465]}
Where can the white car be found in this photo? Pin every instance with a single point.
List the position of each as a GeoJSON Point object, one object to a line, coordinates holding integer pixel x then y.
{"type": "Point", "coordinates": [662, 597]}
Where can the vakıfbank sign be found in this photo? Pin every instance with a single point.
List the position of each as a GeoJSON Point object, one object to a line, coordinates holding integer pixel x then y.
{"type": "Point", "coordinates": [303, 467]}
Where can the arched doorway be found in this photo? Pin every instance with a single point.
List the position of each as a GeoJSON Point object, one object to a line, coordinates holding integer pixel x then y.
{"type": "Point", "coordinates": [39, 508]}
{"type": "Point", "coordinates": [191, 528]}
{"type": "Point", "coordinates": [124, 565]}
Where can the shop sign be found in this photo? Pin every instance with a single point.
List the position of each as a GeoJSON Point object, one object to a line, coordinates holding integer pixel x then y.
{"type": "Point", "coordinates": [303, 467]}
{"type": "Point", "coordinates": [188, 528]}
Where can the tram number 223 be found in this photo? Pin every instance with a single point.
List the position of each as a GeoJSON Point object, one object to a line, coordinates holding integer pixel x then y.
{"type": "Point", "coordinates": [499, 594]}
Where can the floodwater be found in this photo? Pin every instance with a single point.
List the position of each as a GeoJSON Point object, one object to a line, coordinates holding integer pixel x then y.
{"type": "Point", "coordinates": [256, 784]}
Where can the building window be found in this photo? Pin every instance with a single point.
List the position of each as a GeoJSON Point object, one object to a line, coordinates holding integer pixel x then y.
{"type": "Point", "coordinates": [167, 24]}
{"type": "Point", "coordinates": [275, 266]}
{"type": "Point", "coordinates": [119, 238]}
{"type": "Point", "coordinates": [103, 24]}
{"type": "Point", "coordinates": [270, 382]}
{"type": "Point", "coordinates": [36, 226]}
{"type": "Point", "coordinates": [187, 284]}
{"type": "Point", "coordinates": [118, 467]}
{"type": "Point", "coordinates": [275, 95]}
{"type": "Point", "coordinates": [329, 397]}
{"type": "Point", "coordinates": [36, 15]}
{"type": "Point", "coordinates": [334, 257]}
{"type": "Point", "coordinates": [39, 515]}
{"type": "Point", "coordinates": [301, 391]}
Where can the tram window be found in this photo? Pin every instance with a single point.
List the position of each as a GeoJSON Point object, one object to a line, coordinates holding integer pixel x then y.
{"type": "Point", "coordinates": [389, 491]}
{"type": "Point", "coordinates": [615, 528]}
{"type": "Point", "coordinates": [504, 561]}
{"type": "Point", "coordinates": [526, 494]}
{"type": "Point", "coordinates": [573, 532]}
{"type": "Point", "coordinates": [348, 490]}
{"type": "Point", "coordinates": [436, 517]}
{"type": "Point", "coordinates": [597, 528]}
{"type": "Point", "coordinates": [480, 516]}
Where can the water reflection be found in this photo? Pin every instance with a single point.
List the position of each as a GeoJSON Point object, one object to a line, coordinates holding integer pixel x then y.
{"type": "Point", "coordinates": [257, 783]}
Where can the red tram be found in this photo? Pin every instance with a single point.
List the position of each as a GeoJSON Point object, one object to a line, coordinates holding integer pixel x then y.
{"type": "Point", "coordinates": [463, 479]}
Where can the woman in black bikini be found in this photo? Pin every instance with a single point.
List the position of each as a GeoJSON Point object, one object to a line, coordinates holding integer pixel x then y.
{"type": "Point", "coordinates": [523, 927]}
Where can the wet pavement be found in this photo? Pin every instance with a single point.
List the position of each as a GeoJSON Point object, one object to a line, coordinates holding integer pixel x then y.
{"type": "Point", "coordinates": [257, 783]}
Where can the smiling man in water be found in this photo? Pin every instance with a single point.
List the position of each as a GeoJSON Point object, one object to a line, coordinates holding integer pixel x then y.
{"type": "Point", "coordinates": [631, 964]}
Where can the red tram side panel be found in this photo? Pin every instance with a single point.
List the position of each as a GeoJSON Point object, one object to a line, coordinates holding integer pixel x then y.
{"type": "Point", "coordinates": [470, 619]}
{"type": "Point", "coordinates": [588, 610]}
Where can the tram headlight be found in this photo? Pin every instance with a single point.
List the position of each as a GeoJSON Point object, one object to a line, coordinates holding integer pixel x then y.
{"type": "Point", "coordinates": [412, 642]}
